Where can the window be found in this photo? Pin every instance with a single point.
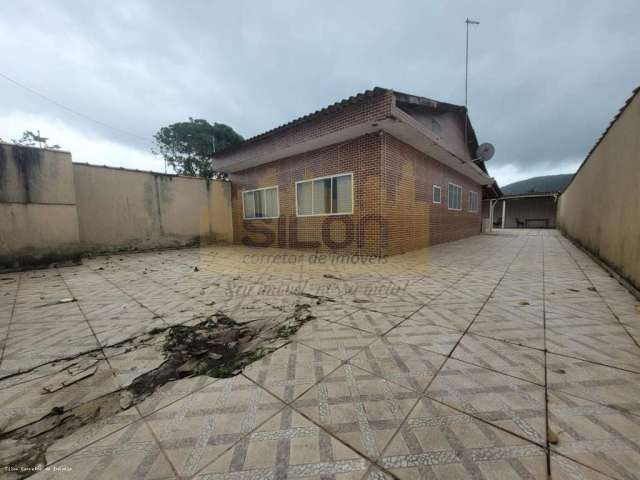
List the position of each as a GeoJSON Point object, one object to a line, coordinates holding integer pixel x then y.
{"type": "Point", "coordinates": [261, 203]}
{"type": "Point", "coordinates": [437, 192]}
{"type": "Point", "coordinates": [473, 201]}
{"type": "Point", "coordinates": [454, 197]}
{"type": "Point", "coordinates": [325, 196]}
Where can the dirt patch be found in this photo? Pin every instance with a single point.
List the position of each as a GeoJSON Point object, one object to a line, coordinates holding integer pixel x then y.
{"type": "Point", "coordinates": [218, 347]}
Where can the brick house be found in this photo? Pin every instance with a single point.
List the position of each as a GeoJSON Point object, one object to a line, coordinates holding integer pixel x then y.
{"type": "Point", "coordinates": [379, 173]}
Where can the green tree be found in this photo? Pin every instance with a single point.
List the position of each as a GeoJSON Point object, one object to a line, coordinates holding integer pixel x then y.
{"type": "Point", "coordinates": [188, 146]}
{"type": "Point", "coordinates": [31, 139]}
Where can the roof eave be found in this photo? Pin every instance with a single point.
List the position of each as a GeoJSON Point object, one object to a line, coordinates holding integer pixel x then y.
{"type": "Point", "coordinates": [399, 125]}
{"type": "Point", "coordinates": [318, 113]}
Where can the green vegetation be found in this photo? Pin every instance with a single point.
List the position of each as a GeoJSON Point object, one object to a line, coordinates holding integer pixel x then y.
{"type": "Point", "coordinates": [188, 147]}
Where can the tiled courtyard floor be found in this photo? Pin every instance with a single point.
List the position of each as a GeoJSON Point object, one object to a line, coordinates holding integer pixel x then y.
{"type": "Point", "coordinates": [497, 357]}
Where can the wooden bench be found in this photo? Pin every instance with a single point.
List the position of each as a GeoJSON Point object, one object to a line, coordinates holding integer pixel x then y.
{"type": "Point", "coordinates": [532, 220]}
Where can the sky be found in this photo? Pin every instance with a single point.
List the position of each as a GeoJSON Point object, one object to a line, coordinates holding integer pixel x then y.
{"type": "Point", "coordinates": [546, 77]}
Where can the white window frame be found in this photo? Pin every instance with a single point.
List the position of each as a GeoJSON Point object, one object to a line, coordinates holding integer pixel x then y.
{"type": "Point", "coordinates": [476, 194]}
{"type": "Point", "coordinates": [448, 197]}
{"type": "Point", "coordinates": [244, 214]}
{"type": "Point", "coordinates": [350, 174]}
{"type": "Point", "coordinates": [439, 188]}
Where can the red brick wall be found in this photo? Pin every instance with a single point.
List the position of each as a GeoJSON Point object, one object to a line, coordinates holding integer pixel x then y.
{"type": "Point", "coordinates": [375, 106]}
{"type": "Point", "coordinates": [354, 234]}
{"type": "Point", "coordinates": [408, 176]}
{"type": "Point", "coordinates": [393, 211]}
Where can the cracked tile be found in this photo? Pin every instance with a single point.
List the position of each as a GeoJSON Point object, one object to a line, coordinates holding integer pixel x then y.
{"type": "Point", "coordinates": [130, 365]}
{"type": "Point", "coordinates": [27, 402]}
{"type": "Point", "coordinates": [92, 433]}
{"type": "Point", "coordinates": [377, 363]}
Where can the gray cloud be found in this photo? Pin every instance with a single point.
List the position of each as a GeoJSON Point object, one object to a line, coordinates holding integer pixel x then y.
{"type": "Point", "coordinates": [546, 77]}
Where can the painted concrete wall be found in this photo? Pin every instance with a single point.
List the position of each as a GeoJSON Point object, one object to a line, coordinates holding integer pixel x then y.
{"type": "Point", "coordinates": [51, 208]}
{"type": "Point", "coordinates": [601, 206]}
{"type": "Point", "coordinates": [120, 208]}
{"type": "Point", "coordinates": [38, 217]}
{"type": "Point", "coordinates": [129, 209]}
{"type": "Point", "coordinates": [220, 212]}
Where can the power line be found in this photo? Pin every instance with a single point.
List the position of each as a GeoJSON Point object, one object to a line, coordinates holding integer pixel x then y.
{"type": "Point", "coordinates": [71, 110]}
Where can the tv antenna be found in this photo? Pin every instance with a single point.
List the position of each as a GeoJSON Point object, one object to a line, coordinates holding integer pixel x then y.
{"type": "Point", "coordinates": [466, 63]}
{"type": "Point", "coordinates": [466, 79]}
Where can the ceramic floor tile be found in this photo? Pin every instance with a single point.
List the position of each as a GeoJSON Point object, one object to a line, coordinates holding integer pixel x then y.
{"type": "Point", "coordinates": [508, 402]}
{"type": "Point", "coordinates": [609, 344]}
{"type": "Point", "coordinates": [359, 408]}
{"type": "Point", "coordinates": [332, 311]}
{"type": "Point", "coordinates": [201, 426]}
{"type": "Point", "coordinates": [437, 339]}
{"type": "Point", "coordinates": [516, 332]}
{"type": "Point", "coordinates": [370, 321]}
{"type": "Point", "coordinates": [91, 433]}
{"type": "Point", "coordinates": [610, 386]}
{"type": "Point", "coordinates": [522, 362]}
{"type": "Point", "coordinates": [357, 369]}
{"type": "Point", "coordinates": [443, 314]}
{"type": "Point", "coordinates": [407, 365]}
{"type": "Point", "coordinates": [439, 442]}
{"type": "Point", "coordinates": [602, 438]}
{"type": "Point", "coordinates": [291, 370]}
{"type": "Point", "coordinates": [565, 468]}
{"type": "Point", "coordinates": [337, 340]}
{"type": "Point", "coordinates": [388, 304]}
{"type": "Point", "coordinates": [128, 453]}
{"type": "Point", "coordinates": [513, 322]}
{"type": "Point", "coordinates": [287, 446]}
{"type": "Point", "coordinates": [172, 392]}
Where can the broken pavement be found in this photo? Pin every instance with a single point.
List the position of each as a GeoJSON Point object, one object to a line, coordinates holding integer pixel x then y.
{"type": "Point", "coordinates": [501, 354]}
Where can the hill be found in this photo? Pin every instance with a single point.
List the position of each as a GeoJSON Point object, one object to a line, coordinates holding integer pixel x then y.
{"type": "Point", "coordinates": [547, 183]}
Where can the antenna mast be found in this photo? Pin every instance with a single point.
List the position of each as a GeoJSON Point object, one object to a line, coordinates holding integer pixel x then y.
{"type": "Point", "coordinates": [466, 80]}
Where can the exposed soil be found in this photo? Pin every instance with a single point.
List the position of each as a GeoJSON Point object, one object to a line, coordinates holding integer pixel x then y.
{"type": "Point", "coordinates": [218, 347]}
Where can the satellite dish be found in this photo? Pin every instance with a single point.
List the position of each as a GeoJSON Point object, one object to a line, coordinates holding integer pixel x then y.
{"type": "Point", "coordinates": [485, 152]}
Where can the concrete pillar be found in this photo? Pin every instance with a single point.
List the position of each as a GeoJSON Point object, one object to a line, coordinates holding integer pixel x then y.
{"type": "Point", "coordinates": [492, 204]}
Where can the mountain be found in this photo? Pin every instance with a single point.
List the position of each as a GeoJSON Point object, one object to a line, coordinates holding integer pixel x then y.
{"type": "Point", "coordinates": [547, 183]}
